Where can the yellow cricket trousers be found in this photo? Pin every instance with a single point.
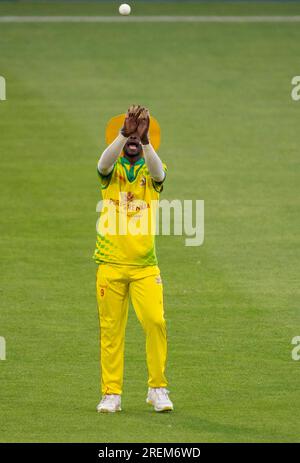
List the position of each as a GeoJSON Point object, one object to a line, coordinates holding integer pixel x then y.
{"type": "Point", "coordinates": [115, 284]}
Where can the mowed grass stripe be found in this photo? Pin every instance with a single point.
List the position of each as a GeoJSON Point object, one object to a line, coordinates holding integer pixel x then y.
{"type": "Point", "coordinates": [156, 19]}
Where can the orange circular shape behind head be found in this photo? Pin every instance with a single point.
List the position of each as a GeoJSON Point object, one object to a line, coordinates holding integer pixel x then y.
{"type": "Point", "coordinates": [115, 124]}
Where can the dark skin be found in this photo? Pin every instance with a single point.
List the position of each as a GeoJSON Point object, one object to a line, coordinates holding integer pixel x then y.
{"type": "Point", "coordinates": [136, 128]}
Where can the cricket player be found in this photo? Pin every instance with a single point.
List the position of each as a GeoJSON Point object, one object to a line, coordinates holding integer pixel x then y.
{"type": "Point", "coordinates": [131, 177]}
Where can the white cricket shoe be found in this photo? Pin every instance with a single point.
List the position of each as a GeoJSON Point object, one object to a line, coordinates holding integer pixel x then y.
{"type": "Point", "coordinates": [110, 403]}
{"type": "Point", "coordinates": [159, 398]}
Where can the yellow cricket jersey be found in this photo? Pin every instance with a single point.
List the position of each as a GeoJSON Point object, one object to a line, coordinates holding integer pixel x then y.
{"type": "Point", "coordinates": [126, 227]}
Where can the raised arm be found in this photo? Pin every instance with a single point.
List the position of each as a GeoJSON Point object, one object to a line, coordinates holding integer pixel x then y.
{"type": "Point", "coordinates": [111, 154]}
{"type": "Point", "coordinates": [154, 163]}
{"type": "Point", "coordinates": [113, 151]}
{"type": "Point", "coordinates": [152, 160]}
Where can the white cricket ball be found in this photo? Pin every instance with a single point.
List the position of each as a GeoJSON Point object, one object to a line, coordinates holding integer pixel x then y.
{"type": "Point", "coordinates": [124, 9]}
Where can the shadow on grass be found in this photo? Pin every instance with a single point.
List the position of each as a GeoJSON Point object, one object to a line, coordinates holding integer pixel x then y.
{"type": "Point", "coordinates": [201, 430]}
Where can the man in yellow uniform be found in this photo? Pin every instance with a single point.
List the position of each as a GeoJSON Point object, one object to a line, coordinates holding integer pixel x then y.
{"type": "Point", "coordinates": [131, 177]}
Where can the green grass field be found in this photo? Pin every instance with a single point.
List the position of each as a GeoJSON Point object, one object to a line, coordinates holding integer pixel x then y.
{"type": "Point", "coordinates": [231, 137]}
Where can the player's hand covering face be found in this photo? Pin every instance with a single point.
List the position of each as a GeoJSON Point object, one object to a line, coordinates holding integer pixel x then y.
{"type": "Point", "coordinates": [131, 120]}
{"type": "Point", "coordinates": [143, 126]}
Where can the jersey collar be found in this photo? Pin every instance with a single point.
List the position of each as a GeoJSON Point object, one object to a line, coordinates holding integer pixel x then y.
{"type": "Point", "coordinates": [139, 162]}
{"type": "Point", "coordinates": [132, 169]}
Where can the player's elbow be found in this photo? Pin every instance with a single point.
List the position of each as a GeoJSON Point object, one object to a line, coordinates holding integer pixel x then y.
{"type": "Point", "coordinates": [158, 178]}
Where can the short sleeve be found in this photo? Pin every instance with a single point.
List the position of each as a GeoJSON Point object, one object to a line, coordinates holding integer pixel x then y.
{"type": "Point", "coordinates": [159, 186]}
{"type": "Point", "coordinates": [105, 179]}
